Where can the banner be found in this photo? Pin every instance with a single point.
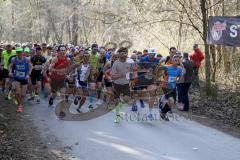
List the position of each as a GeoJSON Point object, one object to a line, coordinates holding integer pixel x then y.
{"type": "Point", "coordinates": [224, 31]}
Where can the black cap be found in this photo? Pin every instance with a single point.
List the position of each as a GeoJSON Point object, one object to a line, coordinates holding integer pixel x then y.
{"type": "Point", "coordinates": [172, 48]}
{"type": "Point", "coordinates": [94, 46]}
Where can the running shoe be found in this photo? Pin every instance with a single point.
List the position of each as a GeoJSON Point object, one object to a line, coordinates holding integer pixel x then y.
{"type": "Point", "coordinates": [90, 107]}
{"type": "Point", "coordinates": [79, 110]}
{"type": "Point", "coordinates": [142, 103]}
{"type": "Point", "coordinates": [38, 100]}
{"type": "Point", "coordinates": [99, 102]}
{"type": "Point", "coordinates": [31, 98]}
{"type": "Point", "coordinates": [20, 109]}
{"type": "Point", "coordinates": [66, 99]}
{"type": "Point", "coordinates": [58, 94]}
{"type": "Point", "coordinates": [9, 95]}
{"type": "Point", "coordinates": [109, 107]}
{"type": "Point", "coordinates": [164, 117]}
{"type": "Point", "coordinates": [134, 108]}
{"type": "Point", "coordinates": [15, 101]}
{"type": "Point", "coordinates": [161, 102]}
{"type": "Point", "coordinates": [75, 101]}
{"type": "Point", "coordinates": [117, 118]}
{"type": "Point", "coordinates": [150, 117]}
{"type": "Point", "coordinates": [62, 115]}
{"type": "Point", "coordinates": [50, 103]}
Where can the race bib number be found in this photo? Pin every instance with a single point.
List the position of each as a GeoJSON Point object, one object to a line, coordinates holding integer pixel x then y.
{"type": "Point", "coordinates": [171, 79]}
{"type": "Point", "coordinates": [148, 75]}
{"type": "Point", "coordinates": [38, 67]}
{"type": "Point", "coordinates": [61, 72]}
{"type": "Point", "coordinates": [20, 74]}
{"type": "Point", "coordinates": [20, 67]}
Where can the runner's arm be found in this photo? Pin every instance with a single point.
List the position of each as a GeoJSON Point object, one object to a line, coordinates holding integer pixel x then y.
{"type": "Point", "coordinates": [10, 66]}
{"type": "Point", "coordinates": [73, 67]}
{"type": "Point", "coordinates": [1, 63]}
{"type": "Point", "coordinates": [30, 67]}
{"type": "Point", "coordinates": [51, 69]}
{"type": "Point", "coordinates": [183, 68]}
{"type": "Point", "coordinates": [45, 68]}
{"type": "Point", "coordinates": [106, 66]}
{"type": "Point", "coordinates": [162, 60]}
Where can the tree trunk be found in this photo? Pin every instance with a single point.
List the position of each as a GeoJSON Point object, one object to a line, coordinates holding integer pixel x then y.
{"type": "Point", "coordinates": [75, 23]}
{"type": "Point", "coordinates": [180, 30]}
{"type": "Point", "coordinates": [214, 66]}
{"type": "Point", "coordinates": [13, 21]}
{"type": "Point", "coordinates": [206, 46]}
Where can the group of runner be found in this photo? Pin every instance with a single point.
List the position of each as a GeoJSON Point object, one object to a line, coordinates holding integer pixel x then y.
{"type": "Point", "coordinates": [94, 72]}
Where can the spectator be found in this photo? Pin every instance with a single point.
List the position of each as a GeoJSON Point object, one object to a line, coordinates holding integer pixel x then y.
{"type": "Point", "coordinates": [186, 83]}
{"type": "Point", "coordinates": [196, 57]}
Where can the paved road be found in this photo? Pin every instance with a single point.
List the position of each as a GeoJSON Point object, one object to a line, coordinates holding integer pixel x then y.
{"type": "Point", "coordinates": [101, 139]}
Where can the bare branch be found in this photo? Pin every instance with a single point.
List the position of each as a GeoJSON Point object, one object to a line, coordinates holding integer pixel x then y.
{"type": "Point", "coordinates": [214, 4]}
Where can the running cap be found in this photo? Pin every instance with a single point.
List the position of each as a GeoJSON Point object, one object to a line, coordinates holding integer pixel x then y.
{"type": "Point", "coordinates": [19, 49]}
{"type": "Point", "coordinates": [27, 50]}
{"type": "Point", "coordinates": [94, 46]}
{"type": "Point", "coordinates": [151, 51]}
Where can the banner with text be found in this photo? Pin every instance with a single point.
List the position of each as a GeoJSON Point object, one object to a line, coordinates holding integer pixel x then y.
{"type": "Point", "coordinates": [224, 31]}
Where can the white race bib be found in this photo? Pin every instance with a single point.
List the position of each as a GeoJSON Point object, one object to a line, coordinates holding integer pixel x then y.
{"type": "Point", "coordinates": [20, 74]}
{"type": "Point", "coordinates": [38, 67]}
{"type": "Point", "coordinates": [171, 79]}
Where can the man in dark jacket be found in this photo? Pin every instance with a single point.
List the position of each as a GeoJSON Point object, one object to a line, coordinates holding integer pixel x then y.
{"type": "Point", "coordinates": [186, 83]}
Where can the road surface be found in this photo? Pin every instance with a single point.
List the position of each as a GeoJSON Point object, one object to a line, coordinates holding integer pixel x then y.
{"type": "Point", "coordinates": [100, 138]}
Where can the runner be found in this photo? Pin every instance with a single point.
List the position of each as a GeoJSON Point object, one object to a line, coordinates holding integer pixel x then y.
{"type": "Point", "coordinates": [100, 65]}
{"type": "Point", "coordinates": [93, 59]}
{"type": "Point", "coordinates": [6, 54]}
{"type": "Point", "coordinates": [70, 78]}
{"type": "Point", "coordinates": [168, 61]}
{"type": "Point", "coordinates": [120, 69]}
{"type": "Point", "coordinates": [27, 52]}
{"type": "Point", "coordinates": [20, 69]}
{"type": "Point", "coordinates": [44, 49]}
{"type": "Point", "coordinates": [109, 99]}
{"type": "Point", "coordinates": [38, 62]}
{"type": "Point", "coordinates": [49, 52]}
{"type": "Point", "coordinates": [46, 75]}
{"type": "Point", "coordinates": [173, 72]}
{"type": "Point", "coordinates": [82, 81]}
{"type": "Point", "coordinates": [59, 67]}
{"type": "Point", "coordinates": [145, 80]}
{"type": "Point", "coordinates": [78, 57]}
